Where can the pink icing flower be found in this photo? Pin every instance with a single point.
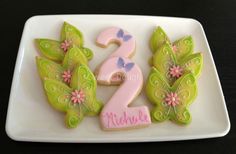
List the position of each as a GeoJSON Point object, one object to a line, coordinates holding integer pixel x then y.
{"type": "Point", "coordinates": [176, 71]}
{"type": "Point", "coordinates": [172, 99]}
{"type": "Point", "coordinates": [174, 48]}
{"type": "Point", "coordinates": [67, 76]}
{"type": "Point", "coordinates": [65, 45]}
{"type": "Point", "coordinates": [77, 96]}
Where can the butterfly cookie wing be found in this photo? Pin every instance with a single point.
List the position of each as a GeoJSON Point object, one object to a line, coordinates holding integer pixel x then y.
{"type": "Point", "coordinates": [87, 52]}
{"type": "Point", "coordinates": [71, 33]}
{"type": "Point", "coordinates": [186, 89]}
{"type": "Point", "coordinates": [59, 96]}
{"type": "Point", "coordinates": [127, 37]}
{"type": "Point", "coordinates": [156, 89]}
{"type": "Point", "coordinates": [158, 38]}
{"type": "Point", "coordinates": [120, 33]}
{"type": "Point", "coordinates": [83, 78]}
{"type": "Point", "coordinates": [120, 63]}
{"type": "Point", "coordinates": [50, 49]}
{"type": "Point", "coordinates": [49, 69]}
{"type": "Point", "coordinates": [129, 66]}
{"type": "Point", "coordinates": [73, 57]}
{"type": "Point", "coordinates": [193, 64]}
{"type": "Point", "coordinates": [183, 47]}
{"type": "Point", "coordinates": [163, 60]}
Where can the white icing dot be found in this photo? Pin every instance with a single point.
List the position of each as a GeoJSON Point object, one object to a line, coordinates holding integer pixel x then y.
{"type": "Point", "coordinates": [189, 82]}
{"type": "Point", "coordinates": [197, 61]}
{"type": "Point", "coordinates": [45, 44]}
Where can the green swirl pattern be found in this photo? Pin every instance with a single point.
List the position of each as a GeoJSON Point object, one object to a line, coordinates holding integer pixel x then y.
{"type": "Point", "coordinates": [49, 69]}
{"type": "Point", "coordinates": [52, 50]}
{"type": "Point", "coordinates": [157, 88]}
{"type": "Point", "coordinates": [69, 32]}
{"type": "Point", "coordinates": [73, 58]}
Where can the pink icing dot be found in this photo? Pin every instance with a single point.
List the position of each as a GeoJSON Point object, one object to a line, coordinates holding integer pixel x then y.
{"type": "Point", "coordinates": [172, 99]}
{"type": "Point", "coordinates": [176, 71]}
{"type": "Point", "coordinates": [67, 76]}
{"type": "Point", "coordinates": [77, 96]}
{"type": "Point", "coordinates": [65, 45]}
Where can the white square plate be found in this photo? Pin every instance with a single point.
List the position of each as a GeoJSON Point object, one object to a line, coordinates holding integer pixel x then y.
{"type": "Point", "coordinates": [30, 118]}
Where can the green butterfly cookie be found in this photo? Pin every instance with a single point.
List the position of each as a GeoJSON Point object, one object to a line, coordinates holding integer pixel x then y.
{"type": "Point", "coordinates": [182, 47]}
{"type": "Point", "coordinates": [52, 70]}
{"type": "Point", "coordinates": [78, 99]}
{"type": "Point", "coordinates": [70, 37]}
{"type": "Point", "coordinates": [171, 102]}
{"type": "Point", "coordinates": [165, 61]}
{"type": "Point", "coordinates": [158, 38]}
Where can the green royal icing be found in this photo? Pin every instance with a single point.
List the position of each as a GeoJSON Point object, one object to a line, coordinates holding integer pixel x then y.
{"type": "Point", "coordinates": [69, 32]}
{"type": "Point", "coordinates": [157, 88]}
{"type": "Point", "coordinates": [52, 70]}
{"type": "Point", "coordinates": [75, 60]}
{"type": "Point", "coordinates": [158, 38]}
{"type": "Point", "coordinates": [59, 95]}
{"type": "Point", "coordinates": [183, 46]}
{"type": "Point", "coordinates": [84, 79]}
{"type": "Point", "coordinates": [160, 82]}
{"type": "Point", "coordinates": [52, 50]}
{"type": "Point", "coordinates": [49, 69]}
{"type": "Point", "coordinates": [164, 59]}
{"type": "Point", "coordinates": [193, 63]}
{"type": "Point", "coordinates": [73, 57]}
{"type": "Point", "coordinates": [87, 52]}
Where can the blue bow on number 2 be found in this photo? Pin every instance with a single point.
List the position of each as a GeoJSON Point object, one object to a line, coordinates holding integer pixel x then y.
{"type": "Point", "coordinates": [121, 64]}
{"type": "Point", "coordinates": [120, 34]}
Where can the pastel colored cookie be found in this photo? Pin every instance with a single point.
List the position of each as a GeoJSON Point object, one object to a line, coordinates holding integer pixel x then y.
{"type": "Point", "coordinates": [116, 114]}
{"type": "Point", "coordinates": [165, 61]}
{"type": "Point", "coordinates": [119, 36]}
{"type": "Point", "coordinates": [77, 99]}
{"type": "Point", "coordinates": [70, 37]}
{"type": "Point", "coordinates": [126, 47]}
{"type": "Point", "coordinates": [171, 102]}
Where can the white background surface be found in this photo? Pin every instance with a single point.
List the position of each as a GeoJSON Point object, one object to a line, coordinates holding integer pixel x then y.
{"type": "Point", "coordinates": [31, 118]}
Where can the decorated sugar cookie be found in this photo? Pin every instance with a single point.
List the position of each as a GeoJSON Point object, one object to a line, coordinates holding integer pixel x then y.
{"type": "Point", "coordinates": [181, 47]}
{"type": "Point", "coordinates": [126, 47]}
{"type": "Point", "coordinates": [171, 84]}
{"type": "Point", "coordinates": [76, 99]}
{"type": "Point", "coordinates": [52, 70]}
{"type": "Point", "coordinates": [117, 35]}
{"type": "Point", "coordinates": [69, 84]}
{"type": "Point", "coordinates": [116, 114]}
{"type": "Point", "coordinates": [56, 50]}
{"type": "Point", "coordinates": [165, 61]}
{"type": "Point", "coordinates": [171, 102]}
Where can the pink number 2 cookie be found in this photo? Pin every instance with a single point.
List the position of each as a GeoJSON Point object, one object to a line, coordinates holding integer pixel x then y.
{"type": "Point", "coordinates": [116, 114]}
